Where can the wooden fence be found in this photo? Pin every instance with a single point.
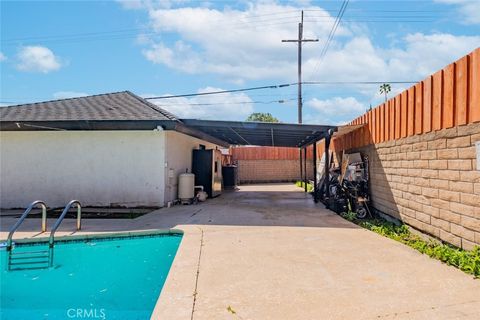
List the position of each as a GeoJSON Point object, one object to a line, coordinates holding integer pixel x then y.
{"type": "Point", "coordinates": [448, 98]}
{"type": "Point", "coordinates": [267, 153]}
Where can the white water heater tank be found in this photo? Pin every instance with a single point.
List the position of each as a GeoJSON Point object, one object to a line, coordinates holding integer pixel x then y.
{"type": "Point", "coordinates": [186, 186]}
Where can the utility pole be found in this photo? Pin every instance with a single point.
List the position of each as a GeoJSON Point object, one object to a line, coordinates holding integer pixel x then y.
{"type": "Point", "coordinates": [300, 40]}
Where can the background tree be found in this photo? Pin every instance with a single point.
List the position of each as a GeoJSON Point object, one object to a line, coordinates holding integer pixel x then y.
{"type": "Point", "coordinates": [385, 89]}
{"type": "Point", "coordinates": [262, 117]}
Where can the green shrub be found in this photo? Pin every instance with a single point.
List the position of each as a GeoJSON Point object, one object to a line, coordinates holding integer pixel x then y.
{"type": "Point", "coordinates": [467, 261]}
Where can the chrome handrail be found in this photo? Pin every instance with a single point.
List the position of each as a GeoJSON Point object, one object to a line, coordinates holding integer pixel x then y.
{"type": "Point", "coordinates": [23, 216]}
{"type": "Point", "coordinates": [60, 219]}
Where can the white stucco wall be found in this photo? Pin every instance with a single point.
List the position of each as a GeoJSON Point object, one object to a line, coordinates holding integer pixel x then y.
{"type": "Point", "coordinates": [99, 168]}
{"type": "Point", "coordinates": [179, 159]}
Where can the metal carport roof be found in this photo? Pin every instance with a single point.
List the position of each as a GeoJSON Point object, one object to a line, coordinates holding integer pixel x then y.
{"type": "Point", "coordinates": [261, 133]}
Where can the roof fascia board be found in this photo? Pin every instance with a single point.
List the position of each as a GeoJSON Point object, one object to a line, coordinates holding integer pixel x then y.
{"type": "Point", "coordinates": [199, 134]}
{"type": "Point", "coordinates": [86, 125]}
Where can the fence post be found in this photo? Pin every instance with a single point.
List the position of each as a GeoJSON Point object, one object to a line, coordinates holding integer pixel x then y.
{"type": "Point", "coordinates": [315, 191]}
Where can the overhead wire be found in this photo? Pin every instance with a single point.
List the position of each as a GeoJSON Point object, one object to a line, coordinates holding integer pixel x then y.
{"type": "Point", "coordinates": [277, 86]}
{"type": "Point", "coordinates": [332, 31]}
{"type": "Point", "coordinates": [229, 103]}
{"type": "Point", "coordinates": [356, 82]}
{"type": "Point", "coordinates": [246, 21]}
{"type": "Point", "coordinates": [220, 92]}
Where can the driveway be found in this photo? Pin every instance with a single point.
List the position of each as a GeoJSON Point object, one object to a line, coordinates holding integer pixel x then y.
{"type": "Point", "coordinates": [268, 252]}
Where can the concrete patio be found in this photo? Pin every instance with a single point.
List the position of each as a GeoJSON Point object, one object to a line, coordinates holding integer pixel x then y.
{"type": "Point", "coordinates": [268, 252]}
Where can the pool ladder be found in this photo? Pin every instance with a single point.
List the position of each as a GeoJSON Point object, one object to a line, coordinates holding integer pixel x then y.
{"type": "Point", "coordinates": [37, 259]}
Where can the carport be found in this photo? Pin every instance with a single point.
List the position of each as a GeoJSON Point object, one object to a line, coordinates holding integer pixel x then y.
{"type": "Point", "coordinates": [291, 135]}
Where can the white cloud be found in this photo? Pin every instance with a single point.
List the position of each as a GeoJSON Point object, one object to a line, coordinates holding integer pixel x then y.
{"type": "Point", "coordinates": [37, 59]}
{"type": "Point", "coordinates": [69, 94]}
{"type": "Point", "coordinates": [228, 106]}
{"type": "Point", "coordinates": [425, 54]}
{"type": "Point", "coordinates": [227, 43]}
{"type": "Point", "coordinates": [241, 45]}
{"type": "Point", "coordinates": [246, 45]}
{"type": "Point", "coordinates": [419, 56]}
{"type": "Point", "coordinates": [132, 4]}
{"type": "Point", "coordinates": [2, 57]}
{"type": "Point", "coordinates": [470, 9]}
{"type": "Point", "coordinates": [335, 110]}
{"type": "Point", "coordinates": [150, 4]}
{"type": "Point", "coordinates": [336, 106]}
{"type": "Point", "coordinates": [180, 57]}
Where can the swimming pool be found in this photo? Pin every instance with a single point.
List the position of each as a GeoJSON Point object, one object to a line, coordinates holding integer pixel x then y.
{"type": "Point", "coordinates": [102, 277]}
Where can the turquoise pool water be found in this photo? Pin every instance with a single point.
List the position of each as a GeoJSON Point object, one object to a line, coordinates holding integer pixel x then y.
{"type": "Point", "coordinates": [104, 278]}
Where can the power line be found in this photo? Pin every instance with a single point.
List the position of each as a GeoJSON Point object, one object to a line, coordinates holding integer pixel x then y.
{"type": "Point", "coordinates": [241, 19]}
{"type": "Point", "coordinates": [260, 88]}
{"type": "Point", "coordinates": [219, 92]}
{"type": "Point", "coordinates": [331, 34]}
{"type": "Point", "coordinates": [127, 34]}
{"type": "Point", "coordinates": [230, 103]}
{"type": "Point", "coordinates": [73, 35]}
{"type": "Point", "coordinates": [357, 82]}
{"type": "Point", "coordinates": [379, 10]}
{"type": "Point", "coordinates": [378, 16]}
{"type": "Point", "coordinates": [332, 31]}
{"type": "Point", "coordinates": [277, 87]}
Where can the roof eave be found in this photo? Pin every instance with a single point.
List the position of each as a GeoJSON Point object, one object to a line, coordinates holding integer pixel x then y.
{"type": "Point", "coordinates": [90, 125]}
{"type": "Point", "coordinates": [62, 125]}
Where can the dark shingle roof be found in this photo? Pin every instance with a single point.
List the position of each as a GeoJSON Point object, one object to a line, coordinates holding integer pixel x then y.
{"type": "Point", "coordinates": [110, 106]}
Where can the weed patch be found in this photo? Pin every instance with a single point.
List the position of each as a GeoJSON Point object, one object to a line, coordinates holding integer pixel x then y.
{"type": "Point", "coordinates": [301, 184]}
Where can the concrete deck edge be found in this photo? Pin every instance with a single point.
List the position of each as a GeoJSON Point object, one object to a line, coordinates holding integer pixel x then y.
{"type": "Point", "coordinates": [178, 293]}
{"type": "Point", "coordinates": [87, 235]}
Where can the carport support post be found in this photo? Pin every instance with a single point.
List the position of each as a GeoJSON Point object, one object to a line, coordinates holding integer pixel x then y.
{"type": "Point", "coordinates": [327, 168]}
{"type": "Point", "coordinates": [305, 167]}
{"type": "Point", "coordinates": [315, 199]}
{"type": "Point", "coordinates": [301, 165]}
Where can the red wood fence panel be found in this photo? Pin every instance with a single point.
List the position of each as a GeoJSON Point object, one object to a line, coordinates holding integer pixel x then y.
{"type": "Point", "coordinates": [382, 122]}
{"type": "Point", "coordinates": [427, 105]}
{"type": "Point", "coordinates": [448, 92]}
{"type": "Point", "coordinates": [461, 91]}
{"type": "Point", "coordinates": [419, 108]}
{"type": "Point", "coordinates": [474, 86]}
{"type": "Point", "coordinates": [398, 115]}
{"type": "Point", "coordinates": [437, 101]}
{"type": "Point", "coordinates": [387, 120]}
{"type": "Point", "coordinates": [403, 114]}
{"type": "Point", "coordinates": [411, 111]}
{"type": "Point", "coordinates": [391, 103]}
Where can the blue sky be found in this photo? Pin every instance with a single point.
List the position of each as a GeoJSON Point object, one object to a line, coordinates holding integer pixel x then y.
{"type": "Point", "coordinates": [62, 49]}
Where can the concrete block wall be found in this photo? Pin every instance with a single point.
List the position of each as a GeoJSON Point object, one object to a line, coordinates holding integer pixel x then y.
{"type": "Point", "coordinates": [431, 182]}
{"type": "Point", "coordinates": [258, 171]}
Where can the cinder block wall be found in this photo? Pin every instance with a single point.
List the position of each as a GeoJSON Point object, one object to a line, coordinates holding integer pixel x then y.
{"type": "Point", "coordinates": [430, 182]}
{"type": "Point", "coordinates": [258, 171]}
